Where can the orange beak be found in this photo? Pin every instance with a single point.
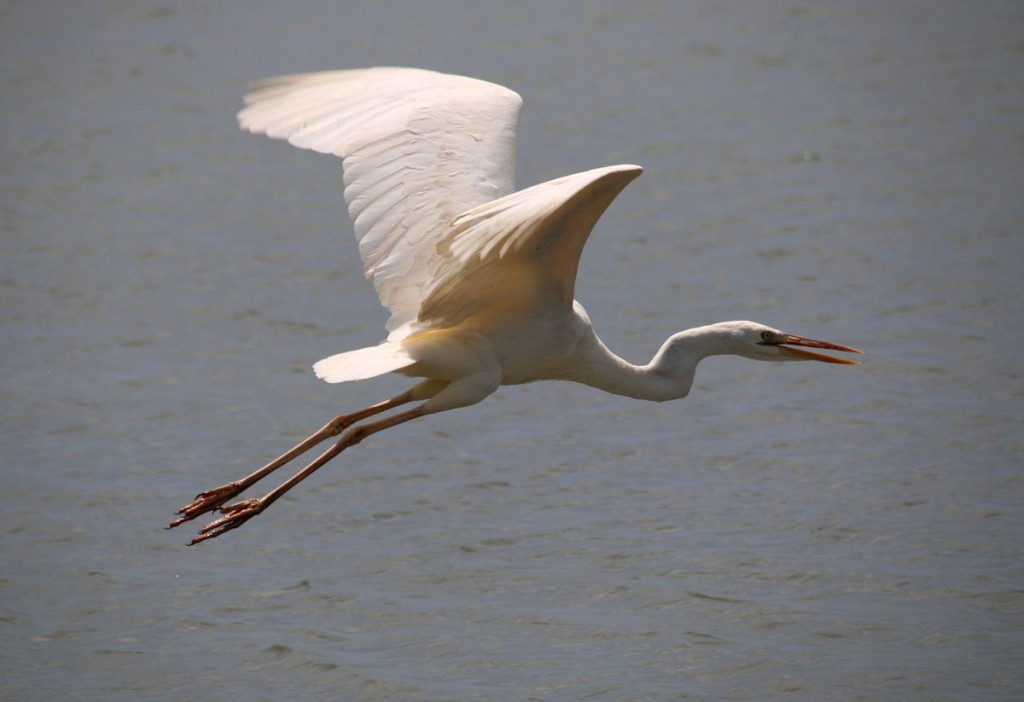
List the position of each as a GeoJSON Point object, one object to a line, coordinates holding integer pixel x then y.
{"type": "Point", "coordinates": [791, 340]}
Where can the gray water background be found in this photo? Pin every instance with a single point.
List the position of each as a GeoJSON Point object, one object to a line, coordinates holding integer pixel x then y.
{"type": "Point", "coordinates": [848, 171]}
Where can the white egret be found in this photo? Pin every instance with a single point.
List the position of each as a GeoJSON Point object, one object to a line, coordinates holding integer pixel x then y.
{"type": "Point", "coordinates": [478, 278]}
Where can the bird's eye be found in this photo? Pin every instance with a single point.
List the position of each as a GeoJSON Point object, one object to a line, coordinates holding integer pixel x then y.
{"type": "Point", "coordinates": [766, 336]}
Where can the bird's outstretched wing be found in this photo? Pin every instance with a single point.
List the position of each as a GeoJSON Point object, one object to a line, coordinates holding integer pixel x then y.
{"type": "Point", "coordinates": [519, 254]}
{"type": "Point", "coordinates": [418, 149]}
{"type": "Point", "coordinates": [509, 258]}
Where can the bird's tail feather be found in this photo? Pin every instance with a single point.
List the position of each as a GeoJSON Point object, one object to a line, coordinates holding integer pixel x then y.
{"type": "Point", "coordinates": [363, 363]}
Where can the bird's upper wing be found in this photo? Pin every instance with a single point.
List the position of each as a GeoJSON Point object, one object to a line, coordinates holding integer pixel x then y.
{"type": "Point", "coordinates": [418, 148]}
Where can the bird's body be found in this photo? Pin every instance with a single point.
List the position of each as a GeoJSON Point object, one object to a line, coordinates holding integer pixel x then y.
{"type": "Point", "coordinates": [479, 279]}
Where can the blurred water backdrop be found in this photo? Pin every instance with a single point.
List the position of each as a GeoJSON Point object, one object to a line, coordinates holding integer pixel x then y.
{"type": "Point", "coordinates": [847, 171]}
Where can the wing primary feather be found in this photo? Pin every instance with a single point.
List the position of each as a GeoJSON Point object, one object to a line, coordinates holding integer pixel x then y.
{"type": "Point", "coordinates": [418, 148]}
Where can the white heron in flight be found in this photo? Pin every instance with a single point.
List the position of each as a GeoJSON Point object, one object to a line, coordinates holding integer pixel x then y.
{"type": "Point", "coordinates": [478, 278]}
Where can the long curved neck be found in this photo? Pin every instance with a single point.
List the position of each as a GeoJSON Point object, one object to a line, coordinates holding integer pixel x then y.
{"type": "Point", "coordinates": [669, 375]}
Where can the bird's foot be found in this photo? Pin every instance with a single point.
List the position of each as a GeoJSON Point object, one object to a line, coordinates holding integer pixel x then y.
{"type": "Point", "coordinates": [206, 502]}
{"type": "Point", "coordinates": [234, 516]}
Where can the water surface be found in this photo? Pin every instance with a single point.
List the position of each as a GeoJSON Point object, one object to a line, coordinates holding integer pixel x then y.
{"type": "Point", "coordinates": [844, 171]}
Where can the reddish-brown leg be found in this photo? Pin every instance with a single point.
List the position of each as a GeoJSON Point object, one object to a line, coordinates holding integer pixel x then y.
{"type": "Point", "coordinates": [212, 499]}
{"type": "Point", "coordinates": [239, 513]}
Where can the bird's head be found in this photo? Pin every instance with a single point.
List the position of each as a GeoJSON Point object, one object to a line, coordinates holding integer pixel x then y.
{"type": "Point", "coordinates": [763, 343]}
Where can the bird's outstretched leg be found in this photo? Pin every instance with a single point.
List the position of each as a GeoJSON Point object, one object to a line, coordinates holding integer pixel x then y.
{"type": "Point", "coordinates": [237, 514]}
{"type": "Point", "coordinates": [212, 499]}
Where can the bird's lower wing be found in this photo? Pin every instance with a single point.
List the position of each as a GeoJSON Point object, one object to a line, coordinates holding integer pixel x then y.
{"type": "Point", "coordinates": [505, 249]}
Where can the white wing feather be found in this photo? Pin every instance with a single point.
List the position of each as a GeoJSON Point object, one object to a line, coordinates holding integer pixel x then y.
{"type": "Point", "coordinates": [429, 163]}
{"type": "Point", "coordinates": [418, 148]}
{"type": "Point", "coordinates": [545, 227]}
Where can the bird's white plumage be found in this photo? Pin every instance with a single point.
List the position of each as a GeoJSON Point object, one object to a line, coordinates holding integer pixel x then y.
{"type": "Point", "coordinates": [543, 228]}
{"type": "Point", "coordinates": [418, 148]}
{"type": "Point", "coordinates": [510, 260]}
{"type": "Point", "coordinates": [429, 163]}
{"type": "Point", "coordinates": [479, 279]}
